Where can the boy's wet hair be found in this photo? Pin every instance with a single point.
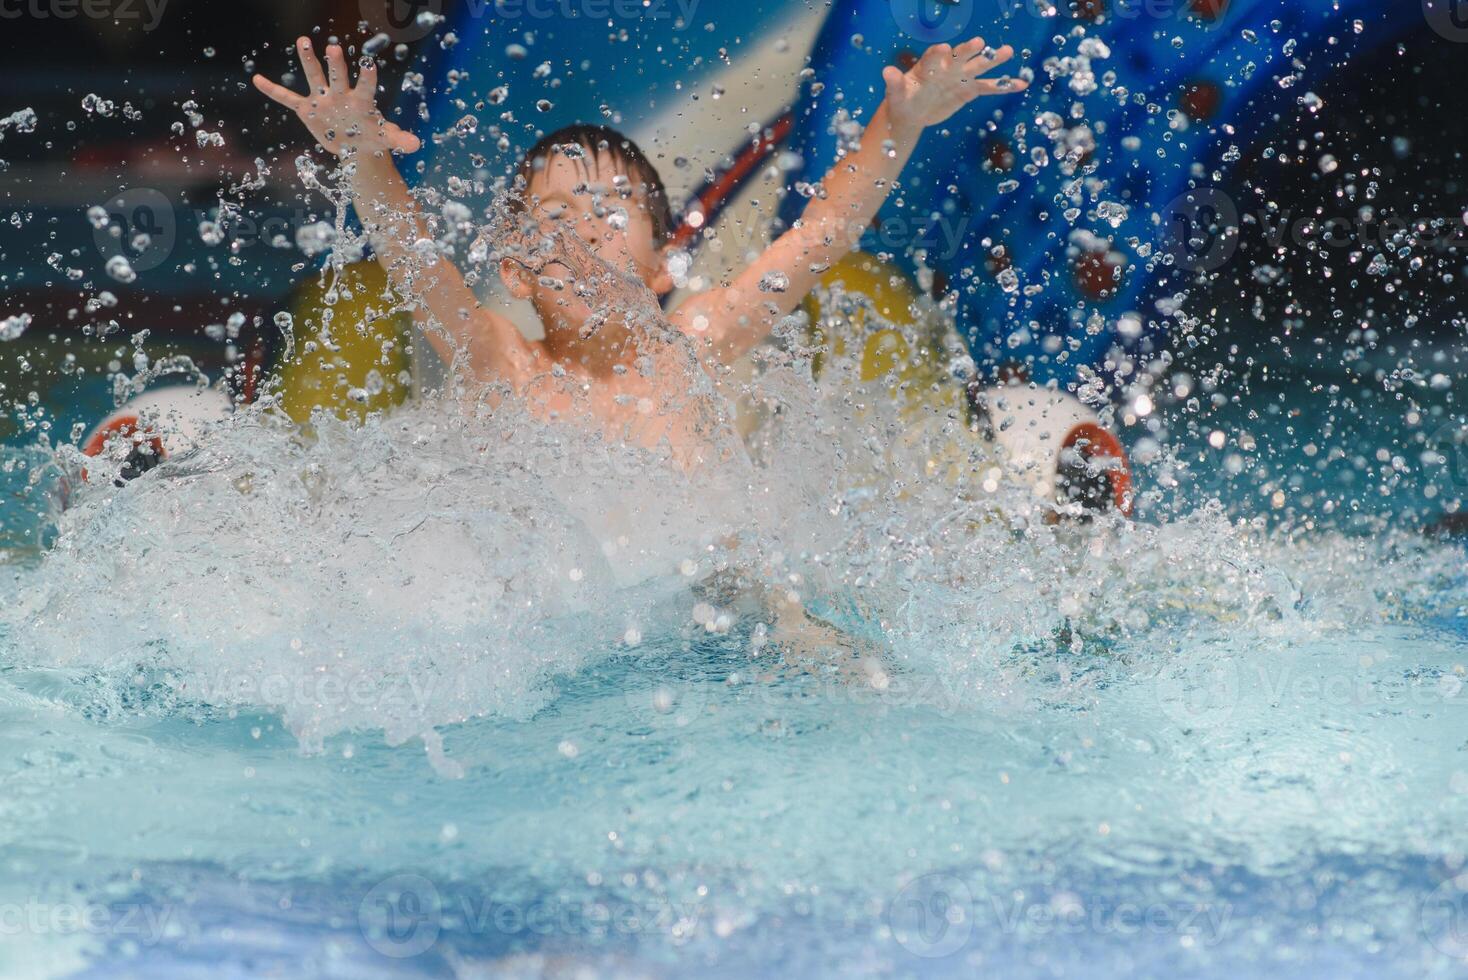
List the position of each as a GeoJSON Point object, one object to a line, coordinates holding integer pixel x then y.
{"type": "Point", "coordinates": [630, 160]}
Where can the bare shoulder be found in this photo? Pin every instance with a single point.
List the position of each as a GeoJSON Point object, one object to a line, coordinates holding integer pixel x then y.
{"type": "Point", "coordinates": [498, 350]}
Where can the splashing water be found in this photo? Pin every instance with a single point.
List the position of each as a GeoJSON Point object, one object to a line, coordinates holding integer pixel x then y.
{"type": "Point", "coordinates": [1028, 727]}
{"type": "Point", "coordinates": [566, 622]}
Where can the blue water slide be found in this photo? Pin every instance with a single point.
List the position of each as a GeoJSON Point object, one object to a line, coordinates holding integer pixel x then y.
{"type": "Point", "coordinates": [621, 70]}
{"type": "Point", "coordinates": [1058, 257]}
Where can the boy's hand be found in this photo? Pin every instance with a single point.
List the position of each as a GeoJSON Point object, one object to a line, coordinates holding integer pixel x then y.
{"type": "Point", "coordinates": [734, 318]}
{"type": "Point", "coordinates": [943, 81]}
{"type": "Point", "coordinates": [342, 118]}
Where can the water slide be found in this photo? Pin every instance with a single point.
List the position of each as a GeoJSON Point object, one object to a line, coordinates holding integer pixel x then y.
{"type": "Point", "coordinates": [1055, 222]}
{"type": "Point", "coordinates": [1060, 222]}
{"type": "Point", "coordinates": [1060, 226]}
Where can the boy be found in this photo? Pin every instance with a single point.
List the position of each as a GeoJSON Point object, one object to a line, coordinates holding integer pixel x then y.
{"type": "Point", "coordinates": [596, 218]}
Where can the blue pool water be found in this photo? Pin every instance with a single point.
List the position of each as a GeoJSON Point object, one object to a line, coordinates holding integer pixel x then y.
{"type": "Point", "coordinates": [241, 738]}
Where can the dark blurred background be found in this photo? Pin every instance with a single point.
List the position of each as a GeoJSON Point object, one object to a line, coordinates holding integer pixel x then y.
{"type": "Point", "coordinates": [166, 73]}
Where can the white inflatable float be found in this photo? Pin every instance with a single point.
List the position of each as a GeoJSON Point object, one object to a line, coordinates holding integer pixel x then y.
{"type": "Point", "coordinates": [1057, 446]}
{"type": "Point", "coordinates": [156, 425]}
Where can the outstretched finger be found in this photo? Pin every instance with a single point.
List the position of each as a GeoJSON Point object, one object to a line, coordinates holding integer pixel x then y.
{"type": "Point", "coordinates": [988, 62]}
{"type": "Point", "coordinates": [278, 93]}
{"type": "Point", "coordinates": [892, 75]}
{"type": "Point", "coordinates": [935, 56]}
{"type": "Point", "coordinates": [400, 139]}
{"type": "Point", "coordinates": [315, 77]}
{"type": "Point", "coordinates": [968, 49]}
{"type": "Point", "coordinates": [336, 67]}
{"type": "Point", "coordinates": [366, 87]}
{"type": "Point", "coordinates": [1002, 86]}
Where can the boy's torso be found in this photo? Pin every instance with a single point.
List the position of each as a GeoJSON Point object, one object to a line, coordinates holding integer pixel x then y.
{"type": "Point", "coordinates": [665, 399]}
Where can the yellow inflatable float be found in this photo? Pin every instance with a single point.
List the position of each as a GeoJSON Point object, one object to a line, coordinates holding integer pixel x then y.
{"type": "Point", "coordinates": [873, 305]}
{"type": "Point", "coordinates": [351, 343]}
{"type": "Point", "coordinates": [873, 329]}
{"type": "Point", "coordinates": [350, 347]}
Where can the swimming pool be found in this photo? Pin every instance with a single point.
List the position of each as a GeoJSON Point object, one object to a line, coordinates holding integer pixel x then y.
{"type": "Point", "coordinates": [1226, 741]}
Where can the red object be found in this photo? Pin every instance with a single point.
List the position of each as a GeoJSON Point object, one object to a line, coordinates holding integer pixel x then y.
{"type": "Point", "coordinates": [1001, 155]}
{"type": "Point", "coordinates": [998, 260]}
{"type": "Point", "coordinates": [254, 364]}
{"type": "Point", "coordinates": [716, 194]}
{"type": "Point", "coordinates": [1100, 444]}
{"type": "Point", "coordinates": [1201, 100]}
{"type": "Point", "coordinates": [120, 425]}
{"type": "Point", "coordinates": [1209, 10]}
{"type": "Point", "coordinates": [1098, 274]}
{"type": "Point", "coordinates": [1090, 9]}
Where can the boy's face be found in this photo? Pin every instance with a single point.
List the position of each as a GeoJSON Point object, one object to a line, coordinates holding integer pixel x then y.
{"type": "Point", "coordinates": [606, 212]}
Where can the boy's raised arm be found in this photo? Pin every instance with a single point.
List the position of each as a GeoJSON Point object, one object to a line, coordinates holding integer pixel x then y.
{"type": "Point", "coordinates": [344, 119]}
{"type": "Point", "coordinates": [737, 317]}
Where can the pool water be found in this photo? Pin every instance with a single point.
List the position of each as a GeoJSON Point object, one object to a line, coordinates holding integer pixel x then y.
{"type": "Point", "coordinates": [383, 705]}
